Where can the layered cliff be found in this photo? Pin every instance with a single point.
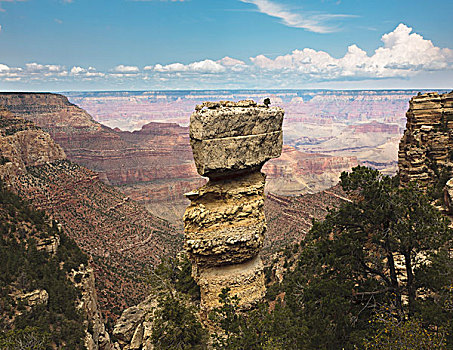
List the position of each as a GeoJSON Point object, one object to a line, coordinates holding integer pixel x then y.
{"type": "Point", "coordinates": [225, 223]}
{"type": "Point", "coordinates": [155, 165]}
{"type": "Point", "coordinates": [45, 282]}
{"type": "Point", "coordinates": [122, 236]}
{"type": "Point", "coordinates": [119, 157]}
{"type": "Point", "coordinates": [426, 149]}
{"type": "Point", "coordinates": [296, 172]}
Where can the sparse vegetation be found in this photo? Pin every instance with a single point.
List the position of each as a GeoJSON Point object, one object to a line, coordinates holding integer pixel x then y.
{"type": "Point", "coordinates": [387, 248]}
{"type": "Point", "coordinates": [24, 268]}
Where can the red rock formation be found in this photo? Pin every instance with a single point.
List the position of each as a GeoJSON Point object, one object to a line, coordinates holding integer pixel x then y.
{"type": "Point", "coordinates": [155, 165]}
{"type": "Point", "coordinates": [296, 172]}
{"type": "Point", "coordinates": [158, 152]}
{"type": "Point", "coordinates": [375, 126]}
{"type": "Point", "coordinates": [122, 236]}
{"type": "Point", "coordinates": [290, 218]}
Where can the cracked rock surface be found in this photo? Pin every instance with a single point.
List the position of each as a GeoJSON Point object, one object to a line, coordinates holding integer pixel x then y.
{"type": "Point", "coordinates": [426, 148]}
{"type": "Point", "coordinates": [225, 223]}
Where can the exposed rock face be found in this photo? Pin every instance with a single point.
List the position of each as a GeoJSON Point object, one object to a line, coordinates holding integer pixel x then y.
{"type": "Point", "coordinates": [48, 244]}
{"type": "Point", "coordinates": [24, 143]}
{"type": "Point", "coordinates": [448, 195]}
{"type": "Point", "coordinates": [36, 297]}
{"type": "Point", "coordinates": [296, 172]}
{"type": "Point", "coordinates": [97, 336]}
{"type": "Point", "coordinates": [153, 165]}
{"type": "Point", "coordinates": [426, 149]}
{"type": "Point", "coordinates": [225, 223]}
{"type": "Point", "coordinates": [134, 328]}
{"type": "Point", "coordinates": [290, 218]}
{"type": "Point", "coordinates": [120, 235]}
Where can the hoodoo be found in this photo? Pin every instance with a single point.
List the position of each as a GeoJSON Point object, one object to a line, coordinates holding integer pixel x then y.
{"type": "Point", "coordinates": [225, 223]}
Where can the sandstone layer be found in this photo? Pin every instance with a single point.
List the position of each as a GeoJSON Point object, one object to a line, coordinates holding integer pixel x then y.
{"type": "Point", "coordinates": [225, 223]}
{"type": "Point", "coordinates": [426, 149]}
{"type": "Point", "coordinates": [121, 236]}
{"type": "Point", "coordinates": [153, 165]}
{"type": "Point", "coordinates": [296, 172]}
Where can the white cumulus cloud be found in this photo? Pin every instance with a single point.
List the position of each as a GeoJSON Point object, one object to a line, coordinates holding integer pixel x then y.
{"type": "Point", "coordinates": [403, 54]}
{"type": "Point", "coordinates": [205, 66]}
{"type": "Point", "coordinates": [126, 69]}
{"type": "Point", "coordinates": [230, 62]}
{"type": "Point", "coordinates": [89, 72]}
{"type": "Point", "coordinates": [77, 70]}
{"type": "Point", "coordinates": [4, 68]}
{"type": "Point", "coordinates": [47, 70]}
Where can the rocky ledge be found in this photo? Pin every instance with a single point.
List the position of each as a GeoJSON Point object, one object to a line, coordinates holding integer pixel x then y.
{"type": "Point", "coordinates": [225, 223]}
{"type": "Point", "coordinates": [426, 148]}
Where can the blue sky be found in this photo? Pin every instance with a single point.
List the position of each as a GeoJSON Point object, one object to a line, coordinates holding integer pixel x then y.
{"type": "Point", "coordinates": [197, 44]}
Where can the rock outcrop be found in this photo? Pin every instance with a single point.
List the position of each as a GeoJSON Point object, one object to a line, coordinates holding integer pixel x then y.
{"type": "Point", "coordinates": [35, 297]}
{"type": "Point", "coordinates": [448, 196]}
{"type": "Point", "coordinates": [426, 149]}
{"type": "Point", "coordinates": [153, 165]}
{"type": "Point", "coordinates": [225, 223]}
{"type": "Point", "coordinates": [296, 172]}
{"type": "Point", "coordinates": [97, 337]}
{"type": "Point", "coordinates": [133, 329]}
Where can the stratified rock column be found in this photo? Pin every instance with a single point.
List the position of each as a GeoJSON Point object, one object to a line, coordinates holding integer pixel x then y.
{"type": "Point", "coordinates": [426, 148]}
{"type": "Point", "coordinates": [225, 223]}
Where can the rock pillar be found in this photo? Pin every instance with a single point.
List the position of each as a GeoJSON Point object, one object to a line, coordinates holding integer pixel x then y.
{"type": "Point", "coordinates": [225, 223]}
{"type": "Point", "coordinates": [426, 149]}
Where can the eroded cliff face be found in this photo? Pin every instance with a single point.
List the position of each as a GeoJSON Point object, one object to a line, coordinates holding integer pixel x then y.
{"type": "Point", "coordinates": [225, 223]}
{"type": "Point", "coordinates": [153, 165]}
{"type": "Point", "coordinates": [296, 172]}
{"type": "Point", "coordinates": [22, 144]}
{"type": "Point", "coordinates": [120, 234]}
{"type": "Point", "coordinates": [426, 148]}
{"type": "Point", "coordinates": [97, 337]}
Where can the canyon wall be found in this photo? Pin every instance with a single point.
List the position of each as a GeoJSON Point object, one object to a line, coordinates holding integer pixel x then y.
{"type": "Point", "coordinates": [296, 172]}
{"type": "Point", "coordinates": [23, 146]}
{"type": "Point", "coordinates": [154, 165]}
{"type": "Point", "coordinates": [426, 148]}
{"type": "Point", "coordinates": [225, 223]}
{"type": "Point", "coordinates": [121, 236]}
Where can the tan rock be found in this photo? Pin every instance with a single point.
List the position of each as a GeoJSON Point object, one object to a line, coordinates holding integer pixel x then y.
{"type": "Point", "coordinates": [225, 223]}
{"type": "Point", "coordinates": [134, 328]}
{"type": "Point", "coordinates": [235, 136]}
{"type": "Point", "coordinates": [36, 297]}
{"type": "Point", "coordinates": [49, 244]}
{"type": "Point", "coordinates": [220, 156]}
{"type": "Point", "coordinates": [137, 338]}
{"type": "Point", "coordinates": [245, 280]}
{"type": "Point", "coordinates": [448, 195]}
{"type": "Point", "coordinates": [126, 325]}
{"type": "Point", "coordinates": [83, 279]}
{"type": "Point", "coordinates": [425, 149]}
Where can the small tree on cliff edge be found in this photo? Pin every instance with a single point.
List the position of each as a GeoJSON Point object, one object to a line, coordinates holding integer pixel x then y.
{"type": "Point", "coordinates": [389, 245]}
